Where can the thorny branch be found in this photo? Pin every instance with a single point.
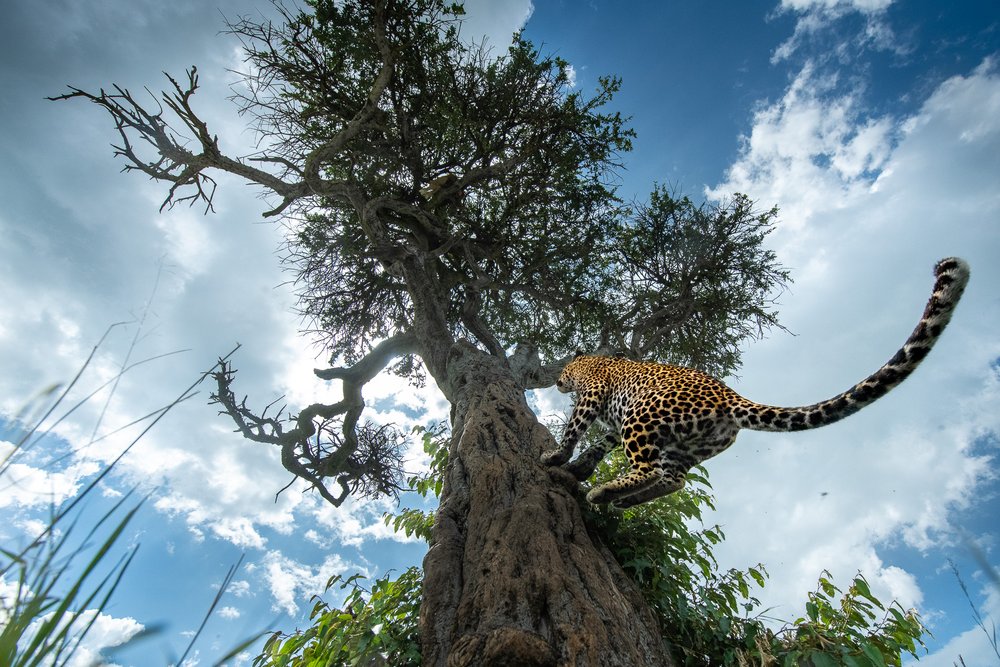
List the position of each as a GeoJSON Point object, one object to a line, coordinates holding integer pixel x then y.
{"type": "Point", "coordinates": [326, 441]}
{"type": "Point", "coordinates": [176, 162]}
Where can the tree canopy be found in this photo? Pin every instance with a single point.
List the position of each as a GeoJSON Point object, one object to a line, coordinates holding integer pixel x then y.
{"type": "Point", "coordinates": [439, 190]}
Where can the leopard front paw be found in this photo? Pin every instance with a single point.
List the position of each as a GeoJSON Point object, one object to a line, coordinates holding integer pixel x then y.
{"type": "Point", "coordinates": [555, 457]}
{"type": "Point", "coordinates": [598, 495]}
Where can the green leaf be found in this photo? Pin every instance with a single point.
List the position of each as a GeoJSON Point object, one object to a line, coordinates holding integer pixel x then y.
{"type": "Point", "coordinates": [873, 654]}
{"type": "Point", "coordinates": [820, 659]}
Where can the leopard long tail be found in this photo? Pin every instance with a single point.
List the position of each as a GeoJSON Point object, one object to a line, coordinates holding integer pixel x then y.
{"type": "Point", "coordinates": [951, 275]}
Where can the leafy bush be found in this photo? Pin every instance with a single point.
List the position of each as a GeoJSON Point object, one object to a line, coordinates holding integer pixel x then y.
{"type": "Point", "coordinates": [710, 617]}
{"type": "Point", "coordinates": [376, 627]}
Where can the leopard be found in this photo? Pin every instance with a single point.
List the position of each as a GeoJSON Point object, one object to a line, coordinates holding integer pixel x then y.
{"type": "Point", "coordinates": [669, 418]}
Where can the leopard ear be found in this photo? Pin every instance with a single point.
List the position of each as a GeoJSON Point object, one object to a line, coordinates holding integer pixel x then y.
{"type": "Point", "coordinates": [579, 353]}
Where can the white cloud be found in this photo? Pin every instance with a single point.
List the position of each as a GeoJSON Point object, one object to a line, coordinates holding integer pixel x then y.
{"type": "Point", "coordinates": [239, 588]}
{"type": "Point", "coordinates": [865, 6]}
{"type": "Point", "coordinates": [291, 582]}
{"type": "Point", "coordinates": [496, 21]}
{"type": "Point", "coordinates": [815, 18]}
{"type": "Point", "coordinates": [355, 522]}
{"type": "Point", "coordinates": [571, 76]}
{"type": "Point", "coordinates": [190, 242]}
{"type": "Point", "coordinates": [229, 612]}
{"type": "Point", "coordinates": [193, 661]}
{"type": "Point", "coordinates": [26, 486]}
{"type": "Point", "coordinates": [8, 594]}
{"type": "Point", "coordinates": [811, 151]}
{"type": "Point", "coordinates": [861, 228]}
{"type": "Point", "coordinates": [106, 632]}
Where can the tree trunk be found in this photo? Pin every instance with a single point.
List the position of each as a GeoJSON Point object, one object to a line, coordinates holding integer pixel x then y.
{"type": "Point", "coordinates": [513, 577]}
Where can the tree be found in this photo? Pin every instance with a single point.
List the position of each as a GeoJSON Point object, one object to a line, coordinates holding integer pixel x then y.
{"type": "Point", "coordinates": [455, 214]}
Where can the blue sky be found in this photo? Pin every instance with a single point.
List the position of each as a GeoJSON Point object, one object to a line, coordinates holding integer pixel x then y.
{"type": "Point", "coordinates": [873, 124]}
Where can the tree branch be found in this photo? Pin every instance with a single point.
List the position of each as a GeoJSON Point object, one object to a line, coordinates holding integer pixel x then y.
{"type": "Point", "coordinates": [363, 458]}
{"type": "Point", "coordinates": [530, 372]}
{"type": "Point", "coordinates": [177, 164]}
{"type": "Point", "coordinates": [335, 145]}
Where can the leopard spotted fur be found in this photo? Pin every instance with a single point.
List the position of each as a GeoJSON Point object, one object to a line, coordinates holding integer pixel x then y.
{"type": "Point", "coordinates": [670, 418]}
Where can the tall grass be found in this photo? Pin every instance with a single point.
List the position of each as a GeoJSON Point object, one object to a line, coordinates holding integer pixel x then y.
{"type": "Point", "coordinates": [59, 584]}
{"type": "Point", "coordinates": [994, 577]}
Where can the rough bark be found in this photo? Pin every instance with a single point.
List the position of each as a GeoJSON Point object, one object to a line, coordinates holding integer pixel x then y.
{"type": "Point", "coordinates": [513, 577]}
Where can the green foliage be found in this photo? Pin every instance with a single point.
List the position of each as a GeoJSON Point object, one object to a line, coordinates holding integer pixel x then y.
{"type": "Point", "coordinates": [376, 627]}
{"type": "Point", "coordinates": [711, 617]}
{"type": "Point", "coordinates": [699, 281]}
{"type": "Point", "coordinates": [857, 630]}
{"type": "Point", "coordinates": [414, 521]}
{"type": "Point", "coordinates": [532, 157]}
{"type": "Point", "coordinates": [703, 612]}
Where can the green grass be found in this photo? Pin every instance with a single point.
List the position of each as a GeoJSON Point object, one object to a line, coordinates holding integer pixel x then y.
{"type": "Point", "coordinates": [59, 583]}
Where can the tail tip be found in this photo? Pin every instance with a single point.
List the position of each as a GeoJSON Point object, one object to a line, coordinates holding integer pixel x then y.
{"type": "Point", "coordinates": [956, 267]}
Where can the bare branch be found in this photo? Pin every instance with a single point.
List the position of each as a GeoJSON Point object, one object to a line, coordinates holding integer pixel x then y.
{"type": "Point", "coordinates": [472, 321]}
{"type": "Point", "coordinates": [175, 163]}
{"type": "Point", "coordinates": [326, 441]}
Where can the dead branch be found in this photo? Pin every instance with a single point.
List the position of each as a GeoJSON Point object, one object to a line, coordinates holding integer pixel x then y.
{"type": "Point", "coordinates": [326, 441]}
{"type": "Point", "coordinates": [175, 162]}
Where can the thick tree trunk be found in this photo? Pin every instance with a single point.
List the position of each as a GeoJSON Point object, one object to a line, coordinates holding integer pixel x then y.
{"type": "Point", "coordinates": [513, 577]}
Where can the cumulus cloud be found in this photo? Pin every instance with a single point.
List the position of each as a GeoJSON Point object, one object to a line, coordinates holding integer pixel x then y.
{"type": "Point", "coordinates": [355, 523]}
{"type": "Point", "coordinates": [495, 21]}
{"type": "Point", "coordinates": [239, 588]}
{"type": "Point", "coordinates": [813, 150]}
{"type": "Point", "coordinates": [28, 486]}
{"type": "Point", "coordinates": [291, 582]}
{"type": "Point", "coordinates": [868, 204]}
{"type": "Point", "coordinates": [105, 633]}
{"type": "Point", "coordinates": [229, 612]}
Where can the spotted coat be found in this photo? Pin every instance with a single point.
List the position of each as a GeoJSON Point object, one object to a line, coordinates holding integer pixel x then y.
{"type": "Point", "coordinates": [669, 418]}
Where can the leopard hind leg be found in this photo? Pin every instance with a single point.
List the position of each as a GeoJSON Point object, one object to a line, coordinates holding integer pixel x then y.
{"type": "Point", "coordinates": [669, 482]}
{"type": "Point", "coordinates": [647, 469]}
{"type": "Point", "coordinates": [674, 469]}
{"type": "Point", "coordinates": [628, 484]}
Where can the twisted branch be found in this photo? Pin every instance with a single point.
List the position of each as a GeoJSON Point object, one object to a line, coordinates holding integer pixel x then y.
{"type": "Point", "coordinates": [326, 441]}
